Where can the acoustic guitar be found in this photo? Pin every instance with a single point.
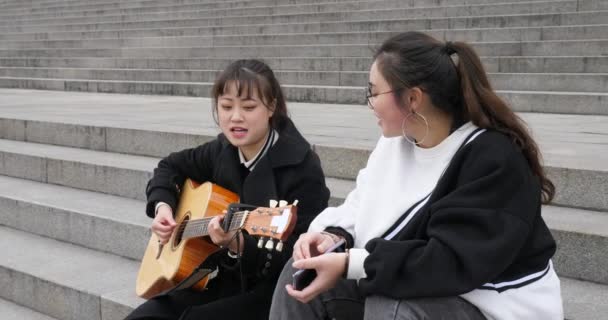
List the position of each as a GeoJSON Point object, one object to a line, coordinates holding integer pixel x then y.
{"type": "Point", "coordinates": [163, 267]}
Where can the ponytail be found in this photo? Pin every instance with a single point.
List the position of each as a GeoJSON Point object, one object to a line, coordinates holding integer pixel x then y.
{"type": "Point", "coordinates": [461, 89]}
{"type": "Point", "coordinates": [487, 110]}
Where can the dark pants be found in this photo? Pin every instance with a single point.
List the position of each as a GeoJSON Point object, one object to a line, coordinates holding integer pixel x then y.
{"type": "Point", "coordinates": [344, 301]}
{"type": "Point", "coordinates": [215, 303]}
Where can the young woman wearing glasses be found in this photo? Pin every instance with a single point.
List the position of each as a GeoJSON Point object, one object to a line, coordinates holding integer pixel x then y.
{"type": "Point", "coordinates": [445, 219]}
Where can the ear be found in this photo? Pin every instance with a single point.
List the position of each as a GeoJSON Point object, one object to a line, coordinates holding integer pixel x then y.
{"type": "Point", "coordinates": [414, 98]}
{"type": "Point", "coordinates": [272, 107]}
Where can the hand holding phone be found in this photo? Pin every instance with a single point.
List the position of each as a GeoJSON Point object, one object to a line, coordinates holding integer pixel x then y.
{"type": "Point", "coordinates": [303, 277]}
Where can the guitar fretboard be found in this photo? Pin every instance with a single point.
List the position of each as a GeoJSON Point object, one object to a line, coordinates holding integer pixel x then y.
{"type": "Point", "coordinates": [199, 227]}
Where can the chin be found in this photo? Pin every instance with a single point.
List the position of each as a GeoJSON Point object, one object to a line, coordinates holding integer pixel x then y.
{"type": "Point", "coordinates": [234, 142]}
{"type": "Point", "coordinates": [390, 134]}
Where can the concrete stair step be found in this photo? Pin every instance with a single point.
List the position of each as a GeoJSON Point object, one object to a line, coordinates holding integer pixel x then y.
{"type": "Point", "coordinates": [189, 19]}
{"type": "Point", "coordinates": [584, 300]}
{"type": "Point", "coordinates": [138, 7]}
{"type": "Point", "coordinates": [73, 281]}
{"type": "Point", "coordinates": [590, 32]}
{"type": "Point", "coordinates": [159, 38]}
{"type": "Point", "coordinates": [324, 23]}
{"type": "Point", "coordinates": [103, 5]}
{"type": "Point", "coordinates": [527, 48]}
{"type": "Point", "coordinates": [72, 6]}
{"type": "Point", "coordinates": [117, 305]}
{"type": "Point", "coordinates": [122, 175]}
{"type": "Point", "coordinates": [114, 298]}
{"type": "Point", "coordinates": [589, 103]}
{"type": "Point", "coordinates": [196, 11]}
{"type": "Point", "coordinates": [575, 155]}
{"type": "Point", "coordinates": [570, 82]}
{"type": "Point", "coordinates": [582, 238]}
{"type": "Point", "coordinates": [13, 311]}
{"type": "Point", "coordinates": [573, 64]}
{"type": "Point", "coordinates": [330, 12]}
{"type": "Point", "coordinates": [93, 220]}
{"type": "Point", "coordinates": [118, 225]}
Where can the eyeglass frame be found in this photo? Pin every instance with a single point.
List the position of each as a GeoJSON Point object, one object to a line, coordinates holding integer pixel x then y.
{"type": "Point", "coordinates": [369, 95]}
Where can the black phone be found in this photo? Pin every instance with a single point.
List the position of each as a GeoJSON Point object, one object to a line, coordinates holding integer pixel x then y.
{"type": "Point", "coordinates": [303, 277]}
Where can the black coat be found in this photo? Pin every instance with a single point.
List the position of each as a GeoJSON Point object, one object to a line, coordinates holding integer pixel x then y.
{"type": "Point", "coordinates": [290, 170]}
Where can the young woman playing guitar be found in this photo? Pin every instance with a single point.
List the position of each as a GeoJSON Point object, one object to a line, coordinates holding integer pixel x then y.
{"type": "Point", "coordinates": [260, 156]}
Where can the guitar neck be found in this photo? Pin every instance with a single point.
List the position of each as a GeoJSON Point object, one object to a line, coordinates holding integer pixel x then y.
{"type": "Point", "coordinates": [199, 227]}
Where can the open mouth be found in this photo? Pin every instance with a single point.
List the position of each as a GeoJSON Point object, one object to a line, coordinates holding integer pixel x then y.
{"type": "Point", "coordinates": [238, 132]}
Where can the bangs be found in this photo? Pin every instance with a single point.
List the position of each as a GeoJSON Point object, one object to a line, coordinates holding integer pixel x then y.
{"type": "Point", "coordinates": [245, 81]}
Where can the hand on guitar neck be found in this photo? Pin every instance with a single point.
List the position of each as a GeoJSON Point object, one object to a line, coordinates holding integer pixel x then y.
{"type": "Point", "coordinates": [164, 224]}
{"type": "Point", "coordinates": [224, 239]}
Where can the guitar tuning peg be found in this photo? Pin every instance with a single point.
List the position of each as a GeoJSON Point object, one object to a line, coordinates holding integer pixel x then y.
{"type": "Point", "coordinates": [273, 203]}
{"type": "Point", "coordinates": [261, 243]}
{"type": "Point", "coordinates": [282, 203]}
{"type": "Point", "coordinates": [269, 244]}
{"type": "Point", "coordinates": [295, 203]}
{"type": "Point", "coordinates": [279, 247]}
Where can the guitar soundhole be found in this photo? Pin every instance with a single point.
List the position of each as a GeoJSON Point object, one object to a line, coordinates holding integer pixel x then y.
{"type": "Point", "coordinates": [179, 231]}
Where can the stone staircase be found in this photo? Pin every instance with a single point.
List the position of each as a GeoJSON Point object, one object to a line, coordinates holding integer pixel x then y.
{"type": "Point", "coordinates": [74, 164]}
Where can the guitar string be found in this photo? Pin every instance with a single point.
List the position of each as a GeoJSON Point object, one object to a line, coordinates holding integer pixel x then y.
{"type": "Point", "coordinates": [194, 230]}
{"type": "Point", "coordinates": [205, 221]}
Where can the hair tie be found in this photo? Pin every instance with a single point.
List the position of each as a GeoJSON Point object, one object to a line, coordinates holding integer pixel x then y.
{"type": "Point", "coordinates": [448, 48]}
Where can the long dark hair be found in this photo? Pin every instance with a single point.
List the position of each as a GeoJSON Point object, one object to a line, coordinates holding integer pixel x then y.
{"type": "Point", "coordinates": [461, 89]}
{"type": "Point", "coordinates": [249, 75]}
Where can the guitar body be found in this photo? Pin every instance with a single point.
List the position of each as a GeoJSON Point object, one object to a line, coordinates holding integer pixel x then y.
{"type": "Point", "coordinates": [165, 266]}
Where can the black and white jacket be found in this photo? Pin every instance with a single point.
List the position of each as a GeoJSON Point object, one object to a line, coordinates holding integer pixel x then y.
{"type": "Point", "coordinates": [462, 220]}
{"type": "Point", "coordinates": [290, 170]}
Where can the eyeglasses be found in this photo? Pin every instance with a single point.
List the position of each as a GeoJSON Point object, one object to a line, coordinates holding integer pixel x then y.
{"type": "Point", "coordinates": [371, 97]}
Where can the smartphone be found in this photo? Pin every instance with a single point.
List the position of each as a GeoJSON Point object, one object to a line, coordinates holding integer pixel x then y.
{"type": "Point", "coordinates": [303, 277]}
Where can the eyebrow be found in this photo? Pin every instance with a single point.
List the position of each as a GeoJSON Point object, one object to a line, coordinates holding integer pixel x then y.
{"type": "Point", "coordinates": [371, 84]}
{"type": "Point", "coordinates": [244, 100]}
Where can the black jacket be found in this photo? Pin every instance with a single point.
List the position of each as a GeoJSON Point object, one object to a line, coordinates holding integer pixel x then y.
{"type": "Point", "coordinates": [290, 170]}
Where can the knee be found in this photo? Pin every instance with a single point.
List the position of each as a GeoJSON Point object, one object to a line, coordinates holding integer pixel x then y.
{"type": "Point", "coordinates": [287, 273]}
{"type": "Point", "coordinates": [380, 307]}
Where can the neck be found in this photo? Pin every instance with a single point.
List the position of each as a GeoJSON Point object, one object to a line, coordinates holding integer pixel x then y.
{"type": "Point", "coordinates": [439, 129]}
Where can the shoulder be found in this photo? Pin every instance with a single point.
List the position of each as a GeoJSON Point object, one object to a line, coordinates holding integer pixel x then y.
{"type": "Point", "coordinates": [492, 152]}
{"type": "Point", "coordinates": [291, 149]}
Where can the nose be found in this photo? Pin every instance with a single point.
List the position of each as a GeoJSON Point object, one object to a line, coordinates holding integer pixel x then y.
{"type": "Point", "coordinates": [236, 115]}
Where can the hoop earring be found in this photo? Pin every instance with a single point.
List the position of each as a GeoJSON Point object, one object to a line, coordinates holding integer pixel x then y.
{"type": "Point", "coordinates": [426, 124]}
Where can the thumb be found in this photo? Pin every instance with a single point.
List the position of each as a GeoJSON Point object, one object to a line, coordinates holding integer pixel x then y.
{"type": "Point", "coordinates": [169, 219]}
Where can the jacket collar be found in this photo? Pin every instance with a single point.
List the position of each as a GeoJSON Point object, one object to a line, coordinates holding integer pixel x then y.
{"type": "Point", "coordinates": [290, 149]}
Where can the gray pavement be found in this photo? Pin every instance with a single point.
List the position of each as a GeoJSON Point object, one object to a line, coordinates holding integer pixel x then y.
{"type": "Point", "coordinates": [573, 141]}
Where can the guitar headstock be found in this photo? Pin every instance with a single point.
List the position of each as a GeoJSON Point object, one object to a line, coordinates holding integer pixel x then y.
{"type": "Point", "coordinates": [271, 222]}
